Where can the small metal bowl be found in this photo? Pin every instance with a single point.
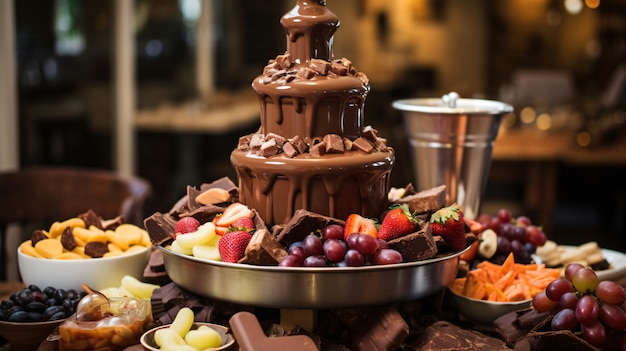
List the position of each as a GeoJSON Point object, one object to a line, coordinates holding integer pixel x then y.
{"type": "Point", "coordinates": [482, 311]}
{"type": "Point", "coordinates": [148, 343]}
{"type": "Point", "coordinates": [311, 287]}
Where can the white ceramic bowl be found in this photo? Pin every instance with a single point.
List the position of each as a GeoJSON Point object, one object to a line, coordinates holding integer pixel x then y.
{"type": "Point", "coordinates": [482, 311]}
{"type": "Point", "coordinates": [98, 273]}
{"type": "Point", "coordinates": [148, 343]}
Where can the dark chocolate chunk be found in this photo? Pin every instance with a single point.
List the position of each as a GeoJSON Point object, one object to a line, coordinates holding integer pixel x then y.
{"type": "Point", "coordinates": [160, 228]}
{"type": "Point", "coordinates": [334, 144]}
{"type": "Point", "coordinates": [370, 134]}
{"type": "Point", "coordinates": [280, 140]}
{"type": "Point", "coordinates": [429, 200]}
{"type": "Point", "coordinates": [347, 144]}
{"type": "Point", "coordinates": [320, 66]}
{"type": "Point", "coordinates": [96, 249]}
{"type": "Point", "coordinates": [284, 61]}
{"type": "Point", "coordinates": [385, 329]}
{"type": "Point", "coordinates": [416, 246]}
{"type": "Point", "coordinates": [264, 250]}
{"type": "Point", "coordinates": [339, 69]}
{"type": "Point", "coordinates": [269, 148]}
{"type": "Point", "coordinates": [37, 236]}
{"type": "Point", "coordinates": [305, 73]}
{"type": "Point", "coordinates": [67, 239]}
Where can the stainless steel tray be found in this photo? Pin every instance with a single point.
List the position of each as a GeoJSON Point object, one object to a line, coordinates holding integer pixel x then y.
{"type": "Point", "coordinates": [310, 288]}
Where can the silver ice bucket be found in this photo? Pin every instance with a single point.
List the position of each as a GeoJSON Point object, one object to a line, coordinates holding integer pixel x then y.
{"type": "Point", "coordinates": [451, 144]}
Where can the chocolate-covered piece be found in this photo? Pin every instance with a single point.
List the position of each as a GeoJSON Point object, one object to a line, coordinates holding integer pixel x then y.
{"type": "Point", "coordinates": [416, 246]}
{"type": "Point", "coordinates": [264, 249]}
{"type": "Point", "coordinates": [445, 336]}
{"type": "Point", "coordinates": [91, 218]}
{"type": "Point", "coordinates": [37, 236]}
{"type": "Point", "coordinates": [363, 145]}
{"type": "Point", "coordinates": [304, 223]}
{"type": "Point", "coordinates": [334, 144]}
{"type": "Point", "coordinates": [250, 336]}
{"type": "Point", "coordinates": [429, 200]}
{"type": "Point", "coordinates": [96, 249]}
{"type": "Point", "coordinates": [67, 239]}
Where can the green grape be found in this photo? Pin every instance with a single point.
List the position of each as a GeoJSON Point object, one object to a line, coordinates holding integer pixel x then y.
{"type": "Point", "coordinates": [585, 280]}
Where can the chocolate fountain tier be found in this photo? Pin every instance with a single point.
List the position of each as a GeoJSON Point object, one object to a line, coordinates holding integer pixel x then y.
{"type": "Point", "coordinates": [334, 185]}
{"type": "Point", "coordinates": [314, 288]}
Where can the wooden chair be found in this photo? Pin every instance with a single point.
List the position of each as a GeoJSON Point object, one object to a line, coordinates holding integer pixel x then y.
{"type": "Point", "coordinates": [40, 196]}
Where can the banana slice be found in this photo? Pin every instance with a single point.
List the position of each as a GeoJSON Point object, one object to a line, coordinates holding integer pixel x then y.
{"type": "Point", "coordinates": [488, 244]}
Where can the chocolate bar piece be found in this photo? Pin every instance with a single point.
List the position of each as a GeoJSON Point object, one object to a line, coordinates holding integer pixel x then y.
{"type": "Point", "coordinates": [416, 246]}
{"type": "Point", "coordinates": [383, 330]}
{"type": "Point", "coordinates": [304, 223]}
{"type": "Point", "coordinates": [429, 200]}
{"type": "Point", "coordinates": [250, 336]}
{"type": "Point", "coordinates": [514, 325]}
{"type": "Point", "coordinates": [263, 249]}
{"type": "Point", "coordinates": [445, 336]}
{"type": "Point", "coordinates": [160, 228]}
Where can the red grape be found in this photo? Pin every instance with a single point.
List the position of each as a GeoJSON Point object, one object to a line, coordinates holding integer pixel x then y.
{"type": "Point", "coordinates": [313, 245]}
{"type": "Point", "coordinates": [504, 215]}
{"type": "Point", "coordinates": [610, 292]}
{"type": "Point", "coordinates": [594, 333]}
{"type": "Point", "coordinates": [315, 261]}
{"type": "Point", "coordinates": [568, 300]}
{"type": "Point", "coordinates": [571, 268]}
{"type": "Point", "coordinates": [387, 256]}
{"type": "Point", "coordinates": [504, 245]}
{"type": "Point", "coordinates": [613, 316]}
{"type": "Point", "coordinates": [542, 303]}
{"type": "Point", "coordinates": [557, 288]}
{"type": "Point", "coordinates": [351, 240]}
{"type": "Point", "coordinates": [334, 250]}
{"type": "Point", "coordinates": [333, 231]}
{"type": "Point", "coordinates": [290, 261]}
{"type": "Point", "coordinates": [535, 235]}
{"type": "Point", "coordinates": [587, 310]}
{"type": "Point", "coordinates": [523, 221]}
{"type": "Point", "coordinates": [354, 258]}
{"type": "Point", "coordinates": [297, 251]}
{"type": "Point", "coordinates": [564, 320]}
{"type": "Point", "coordinates": [366, 244]}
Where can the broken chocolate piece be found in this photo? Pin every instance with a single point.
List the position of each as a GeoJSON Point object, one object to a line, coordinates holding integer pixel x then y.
{"type": "Point", "coordinates": [318, 149]}
{"type": "Point", "coordinates": [304, 223]}
{"type": "Point", "coordinates": [264, 250]}
{"type": "Point", "coordinates": [91, 218]}
{"type": "Point", "coordinates": [96, 249]}
{"type": "Point", "coordinates": [269, 148]}
{"type": "Point", "coordinates": [250, 336]}
{"type": "Point", "coordinates": [160, 228]}
{"type": "Point", "coordinates": [416, 246]}
{"type": "Point", "coordinates": [289, 150]}
{"type": "Point", "coordinates": [299, 144]}
{"type": "Point", "coordinates": [383, 330]}
{"type": "Point", "coordinates": [429, 200]}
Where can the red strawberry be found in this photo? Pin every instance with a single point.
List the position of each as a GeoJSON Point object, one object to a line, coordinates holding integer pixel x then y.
{"type": "Point", "coordinates": [397, 222]}
{"type": "Point", "coordinates": [186, 225]}
{"type": "Point", "coordinates": [358, 224]}
{"type": "Point", "coordinates": [243, 223]}
{"type": "Point", "coordinates": [232, 245]}
{"type": "Point", "coordinates": [448, 222]}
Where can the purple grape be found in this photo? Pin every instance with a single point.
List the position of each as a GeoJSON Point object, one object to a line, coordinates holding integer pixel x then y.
{"type": "Point", "coordinates": [333, 231]}
{"type": "Point", "coordinates": [518, 233]}
{"type": "Point", "coordinates": [315, 261]}
{"type": "Point", "coordinates": [387, 256]}
{"type": "Point", "coordinates": [594, 333]}
{"type": "Point", "coordinates": [564, 320]}
{"type": "Point", "coordinates": [297, 251]}
{"type": "Point", "coordinates": [313, 245]}
{"type": "Point", "coordinates": [354, 258]}
{"type": "Point", "coordinates": [517, 248]}
{"type": "Point", "coordinates": [351, 240]}
{"type": "Point", "coordinates": [334, 250]}
{"type": "Point", "coordinates": [504, 245]}
{"type": "Point", "coordinates": [557, 288]}
{"type": "Point", "coordinates": [382, 244]}
{"type": "Point", "coordinates": [568, 300]}
{"type": "Point", "coordinates": [613, 316]}
{"type": "Point", "coordinates": [506, 230]}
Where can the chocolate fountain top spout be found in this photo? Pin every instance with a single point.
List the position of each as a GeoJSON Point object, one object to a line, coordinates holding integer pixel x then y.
{"type": "Point", "coordinates": [309, 27]}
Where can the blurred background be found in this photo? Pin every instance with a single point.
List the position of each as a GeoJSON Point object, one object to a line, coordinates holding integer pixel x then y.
{"type": "Point", "coordinates": [560, 158]}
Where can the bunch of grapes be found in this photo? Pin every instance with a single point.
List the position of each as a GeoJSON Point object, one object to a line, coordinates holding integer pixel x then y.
{"type": "Point", "coordinates": [330, 250]}
{"type": "Point", "coordinates": [582, 303]}
{"type": "Point", "coordinates": [517, 235]}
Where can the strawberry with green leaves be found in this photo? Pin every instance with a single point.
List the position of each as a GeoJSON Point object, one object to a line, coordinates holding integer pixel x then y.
{"type": "Point", "coordinates": [399, 221]}
{"type": "Point", "coordinates": [448, 223]}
